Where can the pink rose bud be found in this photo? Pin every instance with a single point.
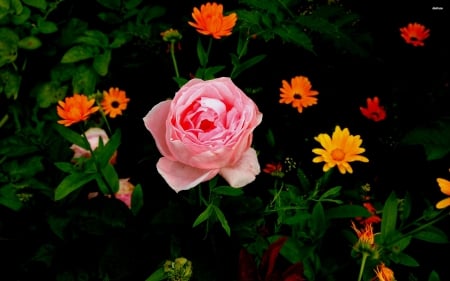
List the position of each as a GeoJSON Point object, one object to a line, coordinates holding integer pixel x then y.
{"type": "Point", "coordinates": [92, 135]}
{"type": "Point", "coordinates": [207, 129]}
{"type": "Point", "coordinates": [125, 191]}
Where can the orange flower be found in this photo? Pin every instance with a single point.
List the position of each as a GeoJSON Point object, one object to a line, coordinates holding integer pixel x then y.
{"type": "Point", "coordinates": [209, 20]}
{"type": "Point", "coordinates": [75, 109]}
{"type": "Point", "coordinates": [114, 102]}
{"type": "Point", "coordinates": [298, 93]}
{"type": "Point", "coordinates": [384, 273]}
{"type": "Point", "coordinates": [366, 241]}
{"type": "Point", "coordinates": [374, 111]}
{"type": "Point", "coordinates": [445, 188]}
{"type": "Point", "coordinates": [414, 34]}
{"type": "Point", "coordinates": [373, 218]}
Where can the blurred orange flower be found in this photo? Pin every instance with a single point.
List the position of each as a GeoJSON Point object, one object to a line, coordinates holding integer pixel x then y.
{"type": "Point", "coordinates": [338, 150]}
{"type": "Point", "coordinates": [75, 109]}
{"type": "Point", "coordinates": [298, 93]}
{"type": "Point", "coordinates": [373, 218]}
{"type": "Point", "coordinates": [209, 20]}
{"type": "Point", "coordinates": [414, 34]}
{"type": "Point", "coordinates": [373, 110]}
{"type": "Point", "coordinates": [445, 188]}
{"type": "Point", "coordinates": [114, 102]}
{"type": "Point", "coordinates": [384, 273]}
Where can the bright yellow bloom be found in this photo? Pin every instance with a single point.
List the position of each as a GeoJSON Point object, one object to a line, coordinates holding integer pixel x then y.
{"type": "Point", "coordinates": [75, 109]}
{"type": "Point", "coordinates": [339, 150]}
{"type": "Point", "coordinates": [384, 273]}
{"type": "Point", "coordinates": [414, 34]}
{"type": "Point", "coordinates": [445, 188]}
{"type": "Point", "coordinates": [209, 20]}
{"type": "Point", "coordinates": [298, 93]}
{"type": "Point", "coordinates": [114, 102]}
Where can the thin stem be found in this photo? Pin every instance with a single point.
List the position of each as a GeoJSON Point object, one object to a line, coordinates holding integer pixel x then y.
{"type": "Point", "coordinates": [363, 264]}
{"type": "Point", "coordinates": [174, 60]}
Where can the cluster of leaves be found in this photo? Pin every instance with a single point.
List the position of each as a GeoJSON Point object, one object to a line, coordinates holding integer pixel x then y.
{"type": "Point", "coordinates": [299, 23]}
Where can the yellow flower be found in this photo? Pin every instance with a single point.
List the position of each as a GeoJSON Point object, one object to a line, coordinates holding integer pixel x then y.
{"type": "Point", "coordinates": [445, 188]}
{"type": "Point", "coordinates": [114, 102]}
{"type": "Point", "coordinates": [384, 273]}
{"type": "Point", "coordinates": [75, 109]}
{"type": "Point", "coordinates": [209, 20]}
{"type": "Point", "coordinates": [339, 150]}
{"type": "Point", "coordinates": [298, 93]}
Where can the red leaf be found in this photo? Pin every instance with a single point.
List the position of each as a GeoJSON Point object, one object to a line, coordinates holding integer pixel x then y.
{"type": "Point", "coordinates": [247, 267]}
{"type": "Point", "coordinates": [270, 256]}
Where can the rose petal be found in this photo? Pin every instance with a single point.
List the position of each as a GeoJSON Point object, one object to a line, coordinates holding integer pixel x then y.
{"type": "Point", "coordinates": [155, 122]}
{"type": "Point", "coordinates": [182, 177]}
{"type": "Point", "coordinates": [245, 170]}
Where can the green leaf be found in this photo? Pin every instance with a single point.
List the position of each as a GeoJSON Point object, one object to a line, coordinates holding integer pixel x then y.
{"type": "Point", "coordinates": [40, 4]}
{"type": "Point", "coordinates": [240, 67]}
{"type": "Point", "coordinates": [105, 152]}
{"type": "Point", "coordinates": [347, 211]}
{"type": "Point", "coordinates": [49, 93]}
{"type": "Point", "coordinates": [137, 199]}
{"type": "Point", "coordinates": [111, 178]}
{"type": "Point", "coordinates": [65, 167]}
{"type": "Point", "coordinates": [432, 234]}
{"type": "Point", "coordinates": [71, 136]}
{"type": "Point", "coordinates": [434, 139]}
{"type": "Point", "coordinates": [71, 183]}
{"type": "Point", "coordinates": [11, 83]}
{"type": "Point", "coordinates": [203, 216]}
{"type": "Point", "coordinates": [149, 13]}
{"type": "Point", "coordinates": [29, 43]}
{"type": "Point", "coordinates": [110, 4]}
{"type": "Point", "coordinates": [101, 62]}
{"type": "Point", "coordinates": [210, 72]}
{"type": "Point", "coordinates": [270, 137]}
{"type": "Point", "coordinates": [157, 275]}
{"type": "Point", "coordinates": [21, 17]}
{"type": "Point", "coordinates": [294, 251]}
{"type": "Point", "coordinates": [79, 53]}
{"type": "Point", "coordinates": [223, 221]}
{"type": "Point", "coordinates": [401, 243]}
{"type": "Point", "coordinates": [8, 197]}
{"type": "Point", "coordinates": [407, 260]}
{"type": "Point", "coordinates": [201, 53]}
{"type": "Point", "coordinates": [46, 27]}
{"type": "Point", "coordinates": [331, 193]}
{"type": "Point", "coordinates": [84, 80]}
{"type": "Point", "coordinates": [389, 217]}
{"type": "Point", "coordinates": [293, 34]}
{"type": "Point", "coordinates": [434, 276]}
{"type": "Point", "coordinates": [318, 221]}
{"type": "Point", "coordinates": [228, 191]}
{"type": "Point", "coordinates": [305, 183]}
{"type": "Point", "coordinates": [120, 38]}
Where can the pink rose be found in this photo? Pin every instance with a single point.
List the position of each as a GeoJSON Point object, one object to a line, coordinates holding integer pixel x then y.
{"type": "Point", "coordinates": [92, 135]}
{"type": "Point", "coordinates": [125, 191]}
{"type": "Point", "coordinates": [207, 129]}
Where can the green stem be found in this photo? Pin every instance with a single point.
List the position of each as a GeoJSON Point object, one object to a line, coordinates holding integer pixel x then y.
{"type": "Point", "coordinates": [174, 60]}
{"type": "Point", "coordinates": [363, 264]}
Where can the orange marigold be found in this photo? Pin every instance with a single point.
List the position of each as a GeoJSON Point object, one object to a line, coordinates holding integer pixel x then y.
{"type": "Point", "coordinates": [384, 273]}
{"type": "Point", "coordinates": [114, 102]}
{"type": "Point", "coordinates": [444, 185]}
{"type": "Point", "coordinates": [298, 93]}
{"type": "Point", "coordinates": [75, 109]}
{"type": "Point", "coordinates": [414, 34]}
{"type": "Point", "coordinates": [209, 20]}
{"type": "Point", "coordinates": [373, 110]}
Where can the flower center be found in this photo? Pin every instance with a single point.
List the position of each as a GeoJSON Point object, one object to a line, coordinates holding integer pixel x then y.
{"type": "Point", "coordinates": [207, 125]}
{"type": "Point", "coordinates": [297, 96]}
{"type": "Point", "coordinates": [337, 154]}
{"type": "Point", "coordinates": [115, 104]}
